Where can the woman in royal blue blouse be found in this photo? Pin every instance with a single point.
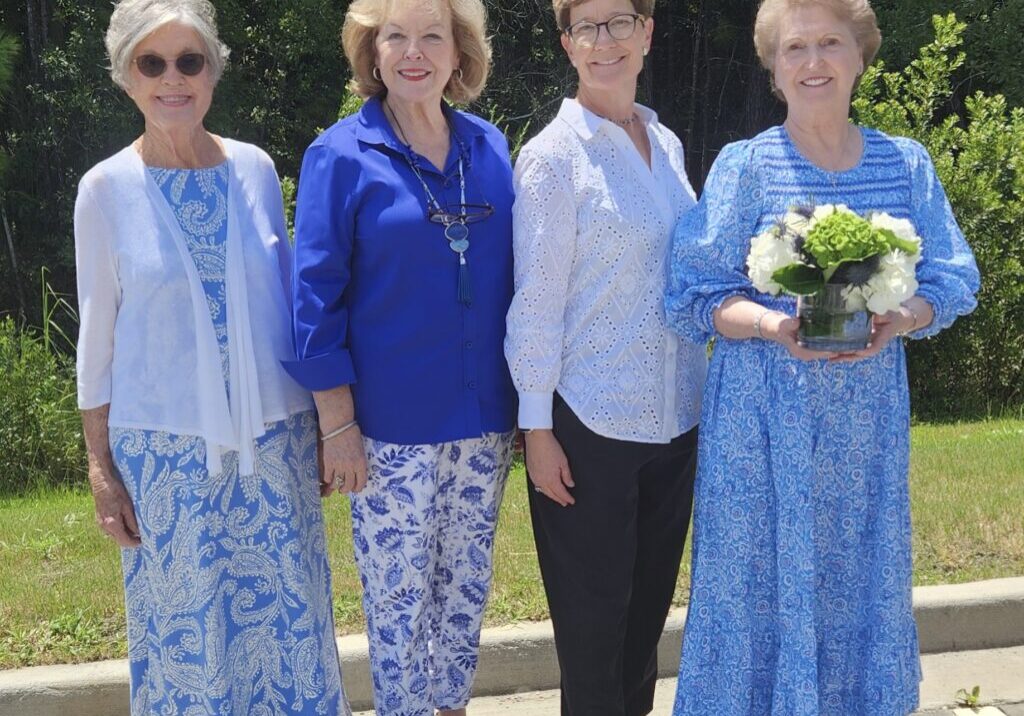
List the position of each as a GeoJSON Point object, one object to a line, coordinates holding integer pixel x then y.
{"type": "Point", "coordinates": [403, 279]}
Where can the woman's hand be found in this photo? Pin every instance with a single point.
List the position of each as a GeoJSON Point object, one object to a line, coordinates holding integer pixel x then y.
{"type": "Point", "coordinates": [343, 463]}
{"type": "Point", "coordinates": [548, 467]}
{"type": "Point", "coordinates": [115, 513]}
{"type": "Point", "coordinates": [783, 329]}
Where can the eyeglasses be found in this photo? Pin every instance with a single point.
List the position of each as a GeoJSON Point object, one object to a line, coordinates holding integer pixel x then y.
{"type": "Point", "coordinates": [461, 213]}
{"type": "Point", "coordinates": [190, 64]}
{"type": "Point", "coordinates": [620, 27]}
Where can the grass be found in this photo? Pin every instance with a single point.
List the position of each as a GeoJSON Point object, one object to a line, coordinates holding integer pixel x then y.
{"type": "Point", "coordinates": [60, 580]}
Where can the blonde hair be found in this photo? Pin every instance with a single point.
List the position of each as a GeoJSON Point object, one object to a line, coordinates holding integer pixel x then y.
{"type": "Point", "coordinates": [134, 20]}
{"type": "Point", "coordinates": [563, 8]}
{"type": "Point", "coordinates": [857, 13]}
{"type": "Point", "coordinates": [469, 27]}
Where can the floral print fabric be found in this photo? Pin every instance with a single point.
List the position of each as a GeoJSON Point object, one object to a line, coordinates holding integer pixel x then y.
{"type": "Point", "coordinates": [424, 535]}
{"type": "Point", "coordinates": [801, 591]}
{"type": "Point", "coordinates": [229, 597]}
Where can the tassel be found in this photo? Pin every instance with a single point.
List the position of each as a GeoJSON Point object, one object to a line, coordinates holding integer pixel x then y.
{"type": "Point", "coordinates": [465, 291]}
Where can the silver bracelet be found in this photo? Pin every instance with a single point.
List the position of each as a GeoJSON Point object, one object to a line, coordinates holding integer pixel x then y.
{"type": "Point", "coordinates": [757, 322]}
{"type": "Point", "coordinates": [913, 314]}
{"type": "Point", "coordinates": [338, 431]}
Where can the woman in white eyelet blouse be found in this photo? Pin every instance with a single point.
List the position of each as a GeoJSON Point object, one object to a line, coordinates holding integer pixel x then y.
{"type": "Point", "coordinates": [608, 395]}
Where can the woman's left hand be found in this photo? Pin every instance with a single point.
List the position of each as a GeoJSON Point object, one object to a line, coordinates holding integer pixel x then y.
{"type": "Point", "coordinates": [883, 329]}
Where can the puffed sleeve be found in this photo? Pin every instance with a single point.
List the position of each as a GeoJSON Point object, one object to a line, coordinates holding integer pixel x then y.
{"type": "Point", "coordinates": [544, 243]}
{"type": "Point", "coordinates": [947, 273]}
{"type": "Point", "coordinates": [709, 250]}
{"type": "Point", "coordinates": [99, 296]}
{"type": "Point", "coordinates": [324, 234]}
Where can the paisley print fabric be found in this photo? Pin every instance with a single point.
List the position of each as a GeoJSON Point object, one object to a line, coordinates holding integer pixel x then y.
{"type": "Point", "coordinates": [800, 602]}
{"type": "Point", "coordinates": [424, 534]}
{"type": "Point", "coordinates": [229, 597]}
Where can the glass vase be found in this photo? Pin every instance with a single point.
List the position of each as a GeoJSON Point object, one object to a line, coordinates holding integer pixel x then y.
{"type": "Point", "coordinates": [827, 323]}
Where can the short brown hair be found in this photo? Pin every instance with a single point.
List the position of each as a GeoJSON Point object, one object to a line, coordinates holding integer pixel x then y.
{"type": "Point", "coordinates": [857, 13]}
{"type": "Point", "coordinates": [469, 28]}
{"type": "Point", "coordinates": [562, 9]}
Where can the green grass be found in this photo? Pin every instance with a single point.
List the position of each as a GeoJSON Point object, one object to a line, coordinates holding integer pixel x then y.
{"type": "Point", "coordinates": [60, 580]}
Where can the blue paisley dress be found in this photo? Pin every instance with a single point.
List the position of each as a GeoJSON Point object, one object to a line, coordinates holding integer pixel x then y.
{"type": "Point", "coordinates": [228, 599]}
{"type": "Point", "coordinates": [801, 590]}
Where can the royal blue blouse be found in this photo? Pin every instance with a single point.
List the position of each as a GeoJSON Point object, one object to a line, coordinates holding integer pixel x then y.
{"type": "Point", "coordinates": [376, 284]}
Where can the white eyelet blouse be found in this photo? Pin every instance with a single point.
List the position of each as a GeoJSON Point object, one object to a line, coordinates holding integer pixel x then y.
{"type": "Point", "coordinates": [592, 225]}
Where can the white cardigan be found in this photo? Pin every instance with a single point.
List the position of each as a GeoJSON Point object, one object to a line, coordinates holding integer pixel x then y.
{"type": "Point", "coordinates": [147, 344]}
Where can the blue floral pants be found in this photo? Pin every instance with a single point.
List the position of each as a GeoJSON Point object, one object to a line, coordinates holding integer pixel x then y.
{"type": "Point", "coordinates": [423, 530]}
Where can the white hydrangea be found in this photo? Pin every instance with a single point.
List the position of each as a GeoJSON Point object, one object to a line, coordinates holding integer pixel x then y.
{"type": "Point", "coordinates": [854, 297]}
{"type": "Point", "coordinates": [903, 228]}
{"type": "Point", "coordinates": [769, 253]}
{"type": "Point", "coordinates": [795, 224]}
{"type": "Point", "coordinates": [892, 284]}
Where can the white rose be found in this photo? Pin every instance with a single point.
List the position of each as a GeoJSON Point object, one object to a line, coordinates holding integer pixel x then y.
{"type": "Point", "coordinates": [769, 253]}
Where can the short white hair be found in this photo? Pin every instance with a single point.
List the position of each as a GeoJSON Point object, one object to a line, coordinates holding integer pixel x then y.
{"type": "Point", "coordinates": [135, 20]}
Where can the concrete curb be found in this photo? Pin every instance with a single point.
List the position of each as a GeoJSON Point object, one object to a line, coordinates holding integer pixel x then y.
{"type": "Point", "coordinates": [521, 657]}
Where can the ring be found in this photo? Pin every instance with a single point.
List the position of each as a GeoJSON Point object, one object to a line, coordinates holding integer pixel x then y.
{"type": "Point", "coordinates": [538, 489]}
{"type": "Point", "coordinates": [342, 481]}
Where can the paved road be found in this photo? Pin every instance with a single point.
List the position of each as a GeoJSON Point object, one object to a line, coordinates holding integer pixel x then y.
{"type": "Point", "coordinates": [999, 672]}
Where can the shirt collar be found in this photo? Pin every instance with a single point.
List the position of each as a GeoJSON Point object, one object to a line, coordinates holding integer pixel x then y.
{"type": "Point", "coordinates": [587, 124]}
{"type": "Point", "coordinates": [373, 127]}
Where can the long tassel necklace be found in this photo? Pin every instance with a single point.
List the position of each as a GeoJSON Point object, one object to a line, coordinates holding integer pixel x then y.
{"type": "Point", "coordinates": [455, 229]}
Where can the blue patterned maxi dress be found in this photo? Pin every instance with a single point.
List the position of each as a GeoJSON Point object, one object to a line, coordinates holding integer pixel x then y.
{"type": "Point", "coordinates": [229, 597]}
{"type": "Point", "coordinates": [801, 591]}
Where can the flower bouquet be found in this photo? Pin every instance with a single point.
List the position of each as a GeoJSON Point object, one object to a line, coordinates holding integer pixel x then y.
{"type": "Point", "coordinates": [841, 266]}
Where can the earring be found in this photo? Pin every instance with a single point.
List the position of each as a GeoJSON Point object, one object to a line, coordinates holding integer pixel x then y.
{"type": "Point", "coordinates": [376, 74]}
{"type": "Point", "coordinates": [646, 51]}
{"type": "Point", "coordinates": [459, 70]}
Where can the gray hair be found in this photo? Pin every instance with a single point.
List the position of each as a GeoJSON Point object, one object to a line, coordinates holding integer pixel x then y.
{"type": "Point", "coordinates": [134, 20]}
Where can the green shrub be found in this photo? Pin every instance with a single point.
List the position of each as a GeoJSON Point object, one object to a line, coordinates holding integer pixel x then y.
{"type": "Point", "coordinates": [977, 367]}
{"type": "Point", "coordinates": [40, 431]}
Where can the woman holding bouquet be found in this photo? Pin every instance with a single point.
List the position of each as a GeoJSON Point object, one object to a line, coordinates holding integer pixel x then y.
{"type": "Point", "coordinates": [801, 593]}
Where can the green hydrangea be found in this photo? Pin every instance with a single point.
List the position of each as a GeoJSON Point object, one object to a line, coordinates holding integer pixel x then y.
{"type": "Point", "coordinates": [843, 236]}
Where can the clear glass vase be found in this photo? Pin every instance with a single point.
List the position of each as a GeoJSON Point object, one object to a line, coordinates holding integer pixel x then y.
{"type": "Point", "coordinates": [827, 323]}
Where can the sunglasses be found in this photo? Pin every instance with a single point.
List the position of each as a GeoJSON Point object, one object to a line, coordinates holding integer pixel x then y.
{"type": "Point", "coordinates": [190, 64]}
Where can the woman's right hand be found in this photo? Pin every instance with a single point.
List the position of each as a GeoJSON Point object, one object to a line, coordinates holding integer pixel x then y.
{"type": "Point", "coordinates": [783, 329]}
{"type": "Point", "coordinates": [548, 467]}
{"type": "Point", "coordinates": [115, 513]}
{"type": "Point", "coordinates": [344, 463]}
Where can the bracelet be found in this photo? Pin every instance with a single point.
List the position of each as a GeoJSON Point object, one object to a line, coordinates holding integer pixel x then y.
{"type": "Point", "coordinates": [913, 314]}
{"type": "Point", "coordinates": [338, 431]}
{"type": "Point", "coordinates": [757, 322]}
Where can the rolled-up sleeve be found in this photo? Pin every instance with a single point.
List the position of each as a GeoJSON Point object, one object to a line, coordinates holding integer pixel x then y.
{"type": "Point", "coordinates": [710, 246]}
{"type": "Point", "coordinates": [99, 295]}
{"type": "Point", "coordinates": [947, 275]}
{"type": "Point", "coordinates": [544, 238]}
{"type": "Point", "coordinates": [324, 235]}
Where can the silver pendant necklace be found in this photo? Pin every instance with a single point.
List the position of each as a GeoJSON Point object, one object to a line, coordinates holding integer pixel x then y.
{"type": "Point", "coordinates": [455, 229]}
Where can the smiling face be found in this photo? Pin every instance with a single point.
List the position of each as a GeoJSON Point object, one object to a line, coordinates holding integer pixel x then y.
{"type": "Point", "coordinates": [416, 52]}
{"type": "Point", "coordinates": [173, 101]}
{"type": "Point", "coordinates": [610, 64]}
{"type": "Point", "coordinates": [818, 59]}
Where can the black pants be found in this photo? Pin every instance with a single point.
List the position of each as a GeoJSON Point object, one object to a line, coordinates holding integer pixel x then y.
{"type": "Point", "coordinates": [610, 563]}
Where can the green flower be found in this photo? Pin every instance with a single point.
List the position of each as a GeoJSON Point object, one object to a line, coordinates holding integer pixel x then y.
{"type": "Point", "coordinates": [843, 236]}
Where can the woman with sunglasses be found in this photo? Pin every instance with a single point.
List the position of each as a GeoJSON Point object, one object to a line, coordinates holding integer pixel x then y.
{"type": "Point", "coordinates": [608, 395]}
{"type": "Point", "coordinates": [202, 450]}
{"type": "Point", "coordinates": [403, 236]}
